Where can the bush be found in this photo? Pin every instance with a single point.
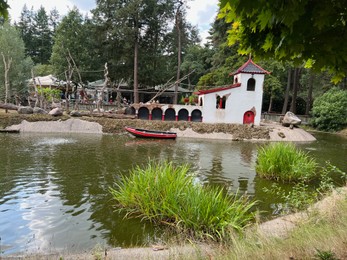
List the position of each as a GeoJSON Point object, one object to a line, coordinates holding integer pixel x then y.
{"type": "Point", "coordinates": [165, 194]}
{"type": "Point", "coordinates": [330, 110]}
{"type": "Point", "coordinates": [283, 162]}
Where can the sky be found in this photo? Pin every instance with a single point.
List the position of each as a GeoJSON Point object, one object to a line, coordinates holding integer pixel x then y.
{"type": "Point", "coordinates": [201, 13]}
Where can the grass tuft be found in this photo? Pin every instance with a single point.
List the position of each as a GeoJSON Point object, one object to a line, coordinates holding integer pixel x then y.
{"type": "Point", "coordinates": [165, 194]}
{"type": "Point", "coordinates": [284, 162]}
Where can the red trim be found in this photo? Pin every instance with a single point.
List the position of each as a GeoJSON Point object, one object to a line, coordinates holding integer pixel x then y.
{"type": "Point", "coordinates": [208, 91]}
{"type": "Point", "coordinates": [150, 117]}
{"type": "Point", "coordinates": [189, 118]}
{"type": "Point", "coordinates": [163, 117]}
{"type": "Point", "coordinates": [176, 119]}
{"type": "Point", "coordinates": [245, 65]}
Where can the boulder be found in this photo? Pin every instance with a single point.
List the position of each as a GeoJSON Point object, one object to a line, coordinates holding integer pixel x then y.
{"type": "Point", "coordinates": [38, 110]}
{"type": "Point", "coordinates": [290, 119]}
{"type": "Point", "coordinates": [25, 110]}
{"type": "Point", "coordinates": [56, 112]}
{"type": "Point", "coordinates": [75, 113]}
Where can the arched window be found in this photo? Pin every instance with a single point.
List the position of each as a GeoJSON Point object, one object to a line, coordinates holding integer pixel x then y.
{"type": "Point", "coordinates": [251, 84]}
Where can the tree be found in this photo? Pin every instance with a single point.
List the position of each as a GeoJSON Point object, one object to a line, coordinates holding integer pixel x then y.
{"type": "Point", "coordinates": [330, 110]}
{"type": "Point", "coordinates": [42, 38]}
{"type": "Point", "coordinates": [73, 36]}
{"type": "Point", "coordinates": [306, 31]}
{"type": "Point", "coordinates": [4, 9]}
{"type": "Point", "coordinates": [137, 41]}
{"type": "Point", "coordinates": [14, 67]}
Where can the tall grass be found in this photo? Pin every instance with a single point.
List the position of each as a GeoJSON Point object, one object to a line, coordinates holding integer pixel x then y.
{"type": "Point", "coordinates": [284, 162]}
{"type": "Point", "coordinates": [167, 194]}
{"type": "Point", "coordinates": [321, 234]}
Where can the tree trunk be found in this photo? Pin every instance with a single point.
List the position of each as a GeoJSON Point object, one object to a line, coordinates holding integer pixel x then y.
{"type": "Point", "coordinates": [286, 97]}
{"type": "Point", "coordinates": [309, 94]}
{"type": "Point", "coordinates": [136, 53]}
{"type": "Point", "coordinates": [35, 88]}
{"type": "Point", "coordinates": [295, 90]}
{"type": "Point", "coordinates": [270, 105]}
{"type": "Point", "coordinates": [179, 50]}
{"type": "Point", "coordinates": [7, 66]}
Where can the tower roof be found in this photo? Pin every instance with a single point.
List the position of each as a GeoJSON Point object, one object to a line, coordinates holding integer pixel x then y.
{"type": "Point", "coordinates": [251, 68]}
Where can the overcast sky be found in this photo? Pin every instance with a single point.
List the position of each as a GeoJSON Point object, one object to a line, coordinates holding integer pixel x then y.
{"type": "Point", "coordinates": [201, 12]}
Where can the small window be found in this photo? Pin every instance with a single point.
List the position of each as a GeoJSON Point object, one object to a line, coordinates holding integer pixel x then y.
{"type": "Point", "coordinates": [251, 84]}
{"type": "Point", "coordinates": [235, 80]}
{"type": "Point", "coordinates": [220, 104]}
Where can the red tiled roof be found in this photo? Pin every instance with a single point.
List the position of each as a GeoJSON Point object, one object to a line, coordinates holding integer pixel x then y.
{"type": "Point", "coordinates": [251, 68]}
{"type": "Point", "coordinates": [208, 91]}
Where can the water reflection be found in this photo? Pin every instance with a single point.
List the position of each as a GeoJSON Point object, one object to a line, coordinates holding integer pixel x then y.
{"type": "Point", "coordinates": [54, 188]}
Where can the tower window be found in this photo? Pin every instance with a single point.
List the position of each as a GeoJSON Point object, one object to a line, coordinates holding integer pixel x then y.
{"type": "Point", "coordinates": [251, 84]}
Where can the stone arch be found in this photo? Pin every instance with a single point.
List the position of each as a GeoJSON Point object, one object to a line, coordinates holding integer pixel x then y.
{"type": "Point", "coordinates": [170, 114]}
{"type": "Point", "coordinates": [183, 115]}
{"type": "Point", "coordinates": [143, 113]}
{"type": "Point", "coordinates": [196, 115]}
{"type": "Point", "coordinates": [130, 111]}
{"type": "Point", "coordinates": [157, 113]}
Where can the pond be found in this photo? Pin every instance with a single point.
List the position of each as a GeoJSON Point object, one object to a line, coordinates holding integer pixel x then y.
{"type": "Point", "coordinates": [54, 187]}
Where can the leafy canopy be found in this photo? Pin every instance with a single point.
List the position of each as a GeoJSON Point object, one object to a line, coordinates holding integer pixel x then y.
{"type": "Point", "coordinates": [307, 31]}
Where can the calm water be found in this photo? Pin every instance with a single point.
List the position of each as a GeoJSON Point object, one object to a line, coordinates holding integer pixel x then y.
{"type": "Point", "coordinates": [54, 188]}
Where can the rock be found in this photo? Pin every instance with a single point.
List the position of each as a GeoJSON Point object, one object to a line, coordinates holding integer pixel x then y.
{"type": "Point", "coordinates": [25, 110]}
{"type": "Point", "coordinates": [97, 111]}
{"type": "Point", "coordinates": [38, 110]}
{"type": "Point", "coordinates": [75, 113]}
{"type": "Point", "coordinates": [56, 112]}
{"type": "Point", "coordinates": [290, 119]}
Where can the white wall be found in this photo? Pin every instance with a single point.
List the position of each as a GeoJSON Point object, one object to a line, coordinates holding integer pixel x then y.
{"type": "Point", "coordinates": [239, 101]}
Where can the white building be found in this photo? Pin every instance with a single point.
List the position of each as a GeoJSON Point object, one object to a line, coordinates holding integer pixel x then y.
{"type": "Point", "coordinates": [238, 103]}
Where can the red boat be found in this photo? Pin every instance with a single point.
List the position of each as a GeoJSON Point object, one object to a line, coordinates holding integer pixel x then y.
{"type": "Point", "coordinates": [151, 133]}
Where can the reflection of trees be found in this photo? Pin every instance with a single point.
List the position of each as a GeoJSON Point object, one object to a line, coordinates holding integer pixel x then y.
{"type": "Point", "coordinates": [84, 179]}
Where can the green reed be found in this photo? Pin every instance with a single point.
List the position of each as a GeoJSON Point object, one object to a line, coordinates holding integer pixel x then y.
{"type": "Point", "coordinates": [168, 194]}
{"type": "Point", "coordinates": [284, 162]}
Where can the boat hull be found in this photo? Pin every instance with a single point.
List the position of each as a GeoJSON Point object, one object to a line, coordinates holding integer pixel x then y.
{"type": "Point", "coordinates": [144, 133]}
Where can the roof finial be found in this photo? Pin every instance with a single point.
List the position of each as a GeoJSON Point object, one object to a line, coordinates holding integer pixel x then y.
{"type": "Point", "coordinates": [250, 56]}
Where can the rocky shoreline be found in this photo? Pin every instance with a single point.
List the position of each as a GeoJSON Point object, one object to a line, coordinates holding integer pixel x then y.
{"type": "Point", "coordinates": [269, 131]}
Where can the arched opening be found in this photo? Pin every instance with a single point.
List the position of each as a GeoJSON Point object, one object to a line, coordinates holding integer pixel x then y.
{"type": "Point", "coordinates": [143, 113]}
{"type": "Point", "coordinates": [157, 114]}
{"type": "Point", "coordinates": [183, 115]}
{"type": "Point", "coordinates": [170, 114]}
{"type": "Point", "coordinates": [130, 111]}
{"type": "Point", "coordinates": [251, 84]}
{"type": "Point", "coordinates": [196, 115]}
{"type": "Point", "coordinates": [248, 117]}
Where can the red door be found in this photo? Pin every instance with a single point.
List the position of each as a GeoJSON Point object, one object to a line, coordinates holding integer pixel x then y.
{"type": "Point", "coordinates": [248, 117]}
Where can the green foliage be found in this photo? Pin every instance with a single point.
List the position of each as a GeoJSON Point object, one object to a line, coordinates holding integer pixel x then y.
{"type": "Point", "coordinates": [4, 9]}
{"type": "Point", "coordinates": [12, 46]}
{"type": "Point", "coordinates": [284, 162]}
{"type": "Point", "coordinates": [302, 31]}
{"type": "Point", "coordinates": [163, 193]}
{"type": "Point", "coordinates": [325, 255]}
{"type": "Point", "coordinates": [301, 196]}
{"type": "Point", "coordinates": [330, 110]}
{"type": "Point", "coordinates": [50, 94]}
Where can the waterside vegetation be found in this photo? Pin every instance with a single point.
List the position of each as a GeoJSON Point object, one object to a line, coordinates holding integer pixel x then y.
{"type": "Point", "coordinates": [171, 195]}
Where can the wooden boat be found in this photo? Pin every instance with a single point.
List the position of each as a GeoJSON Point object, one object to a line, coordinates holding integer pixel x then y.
{"type": "Point", "coordinates": [143, 133]}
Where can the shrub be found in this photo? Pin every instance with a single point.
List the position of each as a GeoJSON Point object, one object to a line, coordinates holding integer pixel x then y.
{"type": "Point", "coordinates": [330, 110]}
{"type": "Point", "coordinates": [168, 195]}
{"type": "Point", "coordinates": [283, 162]}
